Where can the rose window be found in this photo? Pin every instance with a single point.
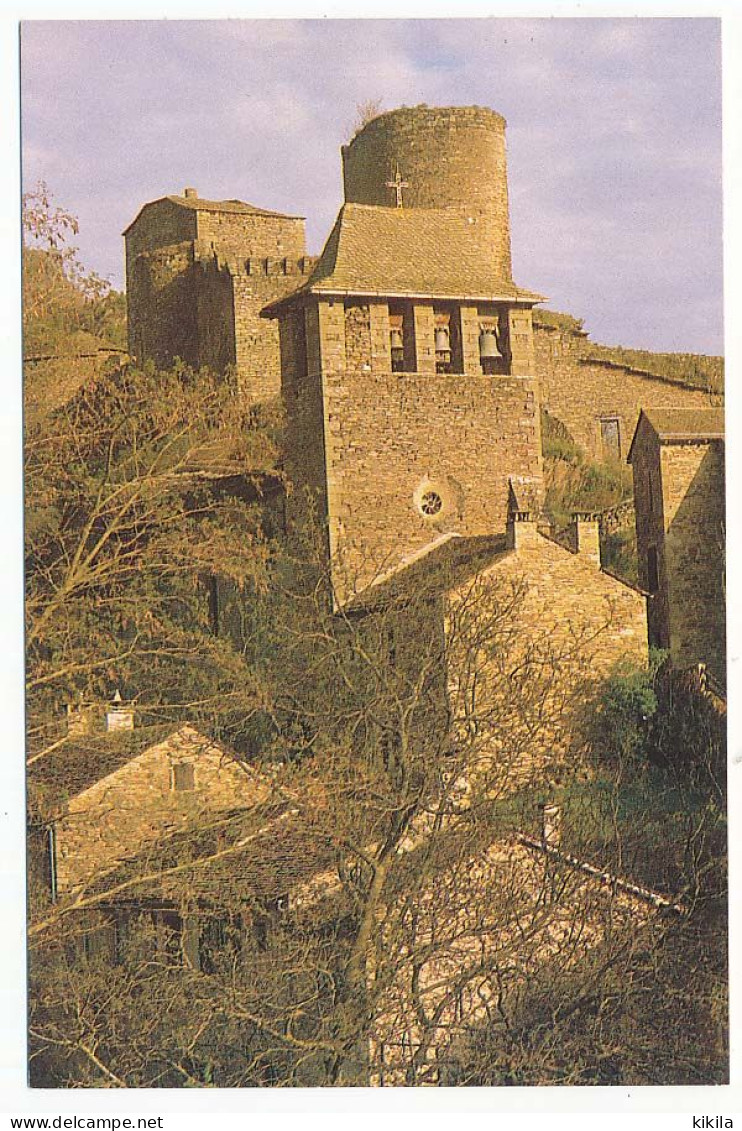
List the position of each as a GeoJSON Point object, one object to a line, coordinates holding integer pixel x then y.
{"type": "Point", "coordinates": [431, 503]}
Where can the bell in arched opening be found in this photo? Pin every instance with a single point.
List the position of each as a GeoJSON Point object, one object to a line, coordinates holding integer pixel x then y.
{"type": "Point", "coordinates": [442, 350]}
{"type": "Point", "coordinates": [396, 342]}
{"type": "Point", "coordinates": [490, 354]}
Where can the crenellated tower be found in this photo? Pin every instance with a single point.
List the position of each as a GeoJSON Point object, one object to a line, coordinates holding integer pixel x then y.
{"type": "Point", "coordinates": [198, 273]}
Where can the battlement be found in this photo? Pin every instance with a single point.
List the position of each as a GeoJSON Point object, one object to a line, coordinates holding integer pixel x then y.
{"type": "Point", "coordinates": [207, 255]}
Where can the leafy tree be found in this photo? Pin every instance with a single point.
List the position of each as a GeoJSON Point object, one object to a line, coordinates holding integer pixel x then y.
{"type": "Point", "coordinates": [125, 523]}
{"type": "Point", "coordinates": [65, 306]}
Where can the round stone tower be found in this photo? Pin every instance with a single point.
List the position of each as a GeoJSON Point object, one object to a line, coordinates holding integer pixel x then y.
{"type": "Point", "coordinates": [442, 157]}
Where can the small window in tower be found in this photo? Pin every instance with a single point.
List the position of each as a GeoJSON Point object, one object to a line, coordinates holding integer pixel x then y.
{"type": "Point", "coordinates": [610, 438]}
{"type": "Point", "coordinates": [183, 779]}
{"type": "Point", "coordinates": [653, 575]}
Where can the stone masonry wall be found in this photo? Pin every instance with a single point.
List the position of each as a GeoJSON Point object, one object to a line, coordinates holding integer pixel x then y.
{"type": "Point", "coordinates": [252, 234]}
{"type": "Point", "coordinates": [693, 504]}
{"type": "Point", "coordinates": [305, 436]}
{"type": "Point", "coordinates": [650, 530]}
{"type": "Point", "coordinates": [162, 306]}
{"type": "Point", "coordinates": [451, 157]}
{"type": "Point", "coordinates": [390, 437]}
{"type": "Point", "coordinates": [579, 391]}
{"type": "Point", "coordinates": [118, 816]}
{"type": "Point", "coordinates": [257, 346]}
{"type": "Point", "coordinates": [570, 623]}
{"type": "Point", "coordinates": [160, 225]}
{"type": "Point", "coordinates": [382, 440]}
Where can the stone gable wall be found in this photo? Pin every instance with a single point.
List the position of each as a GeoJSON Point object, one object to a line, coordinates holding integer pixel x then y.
{"type": "Point", "coordinates": [579, 392]}
{"type": "Point", "coordinates": [570, 623]}
{"type": "Point", "coordinates": [693, 504]}
{"type": "Point", "coordinates": [118, 816]}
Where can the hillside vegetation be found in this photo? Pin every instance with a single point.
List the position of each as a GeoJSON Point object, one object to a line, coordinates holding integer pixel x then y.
{"type": "Point", "coordinates": [572, 482]}
{"type": "Point", "coordinates": [698, 371]}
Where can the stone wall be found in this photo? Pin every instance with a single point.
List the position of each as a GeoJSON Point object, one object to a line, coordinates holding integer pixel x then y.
{"type": "Point", "coordinates": [200, 298]}
{"type": "Point", "coordinates": [580, 391]}
{"type": "Point", "coordinates": [679, 504]}
{"type": "Point", "coordinates": [693, 506]}
{"type": "Point", "coordinates": [650, 532]}
{"type": "Point", "coordinates": [569, 623]}
{"type": "Point", "coordinates": [382, 439]}
{"type": "Point", "coordinates": [305, 421]}
{"type": "Point", "coordinates": [162, 306]}
{"type": "Point", "coordinates": [246, 234]}
{"type": "Point", "coordinates": [117, 817]}
{"type": "Point", "coordinates": [451, 157]}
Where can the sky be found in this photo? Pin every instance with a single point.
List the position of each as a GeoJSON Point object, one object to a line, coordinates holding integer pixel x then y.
{"type": "Point", "coordinates": [614, 139]}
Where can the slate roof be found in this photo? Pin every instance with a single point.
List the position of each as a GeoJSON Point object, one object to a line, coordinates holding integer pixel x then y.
{"type": "Point", "coordinates": [198, 204]}
{"type": "Point", "coordinates": [443, 564]}
{"type": "Point", "coordinates": [674, 425]}
{"type": "Point", "coordinates": [266, 852]}
{"type": "Point", "coordinates": [413, 252]}
{"type": "Point", "coordinates": [82, 760]}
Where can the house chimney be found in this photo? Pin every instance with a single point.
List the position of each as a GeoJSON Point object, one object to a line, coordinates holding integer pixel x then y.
{"type": "Point", "coordinates": [79, 719]}
{"type": "Point", "coordinates": [551, 820]}
{"type": "Point", "coordinates": [119, 716]}
{"type": "Point", "coordinates": [521, 530]}
{"type": "Point", "coordinates": [190, 194]}
{"type": "Point", "coordinates": [587, 535]}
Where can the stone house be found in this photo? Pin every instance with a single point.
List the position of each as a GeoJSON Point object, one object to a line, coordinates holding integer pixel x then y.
{"type": "Point", "coordinates": [677, 459]}
{"type": "Point", "coordinates": [105, 798]}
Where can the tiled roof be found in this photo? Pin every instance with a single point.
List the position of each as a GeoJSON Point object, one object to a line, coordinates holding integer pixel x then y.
{"type": "Point", "coordinates": [198, 204]}
{"type": "Point", "coordinates": [444, 564]}
{"type": "Point", "coordinates": [674, 425]}
{"type": "Point", "coordinates": [687, 423]}
{"type": "Point", "coordinates": [415, 252]}
{"type": "Point", "coordinates": [266, 852]}
{"type": "Point", "coordinates": [82, 760]}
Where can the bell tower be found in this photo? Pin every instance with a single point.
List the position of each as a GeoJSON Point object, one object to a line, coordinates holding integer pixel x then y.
{"type": "Point", "coordinates": [408, 369]}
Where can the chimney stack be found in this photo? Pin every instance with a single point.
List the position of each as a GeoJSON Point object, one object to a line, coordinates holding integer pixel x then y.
{"type": "Point", "coordinates": [119, 716]}
{"type": "Point", "coordinates": [587, 535]}
{"type": "Point", "coordinates": [190, 194]}
{"type": "Point", "coordinates": [79, 718]}
{"type": "Point", "coordinates": [521, 529]}
{"type": "Point", "coordinates": [551, 820]}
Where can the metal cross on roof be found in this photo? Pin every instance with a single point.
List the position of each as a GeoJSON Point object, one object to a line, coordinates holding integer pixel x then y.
{"type": "Point", "coordinates": [398, 184]}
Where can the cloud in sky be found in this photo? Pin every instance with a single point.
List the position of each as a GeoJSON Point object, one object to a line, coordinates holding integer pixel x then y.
{"type": "Point", "coordinates": [614, 139]}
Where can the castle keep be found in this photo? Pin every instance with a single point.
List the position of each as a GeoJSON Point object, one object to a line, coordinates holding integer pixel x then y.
{"type": "Point", "coordinates": [198, 273]}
